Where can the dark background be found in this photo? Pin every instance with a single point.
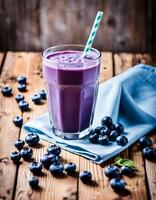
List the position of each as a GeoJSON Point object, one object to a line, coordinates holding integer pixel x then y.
{"type": "Point", "coordinates": [33, 25]}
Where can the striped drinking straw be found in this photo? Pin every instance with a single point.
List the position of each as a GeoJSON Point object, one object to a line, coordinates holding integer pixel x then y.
{"type": "Point", "coordinates": [92, 33]}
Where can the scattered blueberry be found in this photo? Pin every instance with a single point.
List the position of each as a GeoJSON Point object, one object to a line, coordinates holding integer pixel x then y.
{"type": "Point", "coordinates": [43, 94]}
{"type": "Point", "coordinates": [145, 142]}
{"type": "Point", "coordinates": [26, 153]}
{"type": "Point", "coordinates": [93, 138]}
{"type": "Point", "coordinates": [121, 140]}
{"type": "Point", "coordinates": [125, 170]}
{"type": "Point", "coordinates": [54, 149]}
{"type": "Point", "coordinates": [19, 144]}
{"type": "Point", "coordinates": [48, 159]}
{"type": "Point", "coordinates": [22, 87]}
{"type": "Point", "coordinates": [117, 184]}
{"type": "Point", "coordinates": [19, 97]}
{"type": "Point", "coordinates": [149, 153]}
{"type": "Point", "coordinates": [85, 176]}
{"type": "Point", "coordinates": [119, 127]}
{"type": "Point", "coordinates": [113, 135]}
{"type": "Point", "coordinates": [35, 167]}
{"type": "Point", "coordinates": [70, 168]}
{"type": "Point", "coordinates": [112, 172]}
{"type": "Point", "coordinates": [107, 121]}
{"type": "Point", "coordinates": [24, 106]}
{"type": "Point", "coordinates": [103, 139]}
{"type": "Point", "coordinates": [33, 182]}
{"type": "Point", "coordinates": [6, 91]}
{"type": "Point", "coordinates": [15, 156]}
{"type": "Point", "coordinates": [36, 98]}
{"type": "Point", "coordinates": [21, 79]}
{"type": "Point", "coordinates": [32, 139]}
{"type": "Point", "coordinates": [56, 170]}
{"type": "Point", "coordinates": [104, 130]}
{"type": "Point", "coordinates": [18, 121]}
{"type": "Point", "coordinates": [98, 129]}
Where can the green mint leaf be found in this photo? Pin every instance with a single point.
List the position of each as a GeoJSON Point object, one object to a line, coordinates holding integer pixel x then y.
{"type": "Point", "coordinates": [124, 162]}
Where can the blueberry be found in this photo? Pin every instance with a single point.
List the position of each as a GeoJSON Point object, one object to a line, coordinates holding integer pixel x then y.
{"type": "Point", "coordinates": [54, 149]}
{"type": "Point", "coordinates": [6, 91]}
{"type": "Point", "coordinates": [35, 167]}
{"type": "Point", "coordinates": [145, 142]}
{"type": "Point", "coordinates": [22, 87]}
{"type": "Point", "coordinates": [19, 144]}
{"type": "Point", "coordinates": [70, 168]}
{"type": "Point", "coordinates": [26, 153]}
{"type": "Point", "coordinates": [98, 129]}
{"type": "Point", "coordinates": [33, 182]}
{"type": "Point", "coordinates": [21, 79]}
{"type": "Point", "coordinates": [43, 94]}
{"type": "Point", "coordinates": [103, 139]}
{"type": "Point", "coordinates": [19, 97]}
{"type": "Point", "coordinates": [149, 153]}
{"type": "Point", "coordinates": [36, 98]}
{"type": "Point", "coordinates": [93, 138]}
{"type": "Point", "coordinates": [113, 135]}
{"type": "Point", "coordinates": [104, 130]}
{"type": "Point", "coordinates": [18, 121]}
{"type": "Point", "coordinates": [24, 106]}
{"type": "Point", "coordinates": [121, 140]}
{"type": "Point", "coordinates": [56, 170]}
{"type": "Point", "coordinates": [32, 139]}
{"type": "Point", "coordinates": [112, 172]}
{"type": "Point", "coordinates": [107, 121]}
{"type": "Point", "coordinates": [119, 127]}
{"type": "Point", "coordinates": [48, 159]}
{"type": "Point", "coordinates": [85, 176]}
{"type": "Point", "coordinates": [125, 170]}
{"type": "Point", "coordinates": [15, 156]}
{"type": "Point", "coordinates": [117, 184]}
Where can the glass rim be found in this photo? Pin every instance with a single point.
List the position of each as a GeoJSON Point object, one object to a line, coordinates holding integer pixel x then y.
{"type": "Point", "coordinates": [68, 45]}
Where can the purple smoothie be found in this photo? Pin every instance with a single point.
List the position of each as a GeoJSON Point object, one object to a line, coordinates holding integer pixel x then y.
{"type": "Point", "coordinates": [72, 85]}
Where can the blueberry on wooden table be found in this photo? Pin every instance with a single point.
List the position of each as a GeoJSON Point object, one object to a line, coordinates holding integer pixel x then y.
{"type": "Point", "coordinates": [26, 153]}
{"type": "Point", "coordinates": [22, 87]}
{"type": "Point", "coordinates": [107, 121]}
{"type": "Point", "coordinates": [119, 128]}
{"type": "Point", "coordinates": [56, 170]}
{"type": "Point", "coordinates": [103, 139]}
{"type": "Point", "coordinates": [54, 149]}
{"type": "Point", "coordinates": [6, 91]}
{"type": "Point", "coordinates": [150, 153]}
{"type": "Point", "coordinates": [36, 98]}
{"type": "Point", "coordinates": [18, 121]}
{"type": "Point", "coordinates": [32, 139]}
{"type": "Point", "coordinates": [35, 167]}
{"type": "Point", "coordinates": [70, 168]}
{"type": "Point", "coordinates": [48, 159]}
{"type": "Point", "coordinates": [112, 171]}
{"type": "Point", "coordinates": [121, 140]}
{"type": "Point", "coordinates": [113, 135]}
{"type": "Point", "coordinates": [85, 176]}
{"type": "Point", "coordinates": [19, 144]}
{"type": "Point", "coordinates": [145, 142]}
{"type": "Point", "coordinates": [33, 182]}
{"type": "Point", "coordinates": [15, 156]}
{"type": "Point", "coordinates": [125, 170]}
{"type": "Point", "coordinates": [43, 94]}
{"type": "Point", "coordinates": [23, 105]}
{"type": "Point", "coordinates": [21, 79]}
{"type": "Point", "coordinates": [117, 184]}
{"type": "Point", "coordinates": [19, 97]}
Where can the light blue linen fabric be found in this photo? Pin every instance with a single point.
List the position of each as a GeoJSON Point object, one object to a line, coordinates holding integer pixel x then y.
{"type": "Point", "coordinates": [129, 98]}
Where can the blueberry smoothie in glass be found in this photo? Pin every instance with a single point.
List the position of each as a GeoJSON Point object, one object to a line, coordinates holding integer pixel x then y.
{"type": "Point", "coordinates": [72, 86]}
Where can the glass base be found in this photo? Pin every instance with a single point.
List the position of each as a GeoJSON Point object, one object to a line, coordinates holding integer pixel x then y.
{"type": "Point", "coordinates": [67, 136]}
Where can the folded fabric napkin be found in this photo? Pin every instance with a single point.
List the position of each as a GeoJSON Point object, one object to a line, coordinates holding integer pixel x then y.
{"type": "Point", "coordinates": [129, 98]}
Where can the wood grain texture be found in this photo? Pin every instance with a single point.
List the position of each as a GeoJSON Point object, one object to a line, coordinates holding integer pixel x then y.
{"type": "Point", "coordinates": [34, 24]}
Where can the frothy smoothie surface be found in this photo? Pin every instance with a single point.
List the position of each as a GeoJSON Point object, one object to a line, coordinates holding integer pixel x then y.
{"type": "Point", "coordinates": [72, 59]}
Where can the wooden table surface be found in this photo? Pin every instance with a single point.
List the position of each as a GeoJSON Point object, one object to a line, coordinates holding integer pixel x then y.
{"type": "Point", "coordinates": [13, 179]}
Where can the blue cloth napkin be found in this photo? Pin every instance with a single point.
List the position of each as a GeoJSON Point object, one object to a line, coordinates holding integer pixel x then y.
{"type": "Point", "coordinates": [129, 98]}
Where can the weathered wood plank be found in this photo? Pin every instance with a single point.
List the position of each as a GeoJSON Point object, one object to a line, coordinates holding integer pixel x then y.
{"type": "Point", "coordinates": [51, 188]}
{"type": "Point", "coordinates": [1, 58]}
{"type": "Point", "coordinates": [9, 133]}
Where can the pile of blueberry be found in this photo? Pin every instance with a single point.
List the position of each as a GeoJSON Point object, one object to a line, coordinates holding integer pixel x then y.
{"type": "Point", "coordinates": [107, 133]}
{"type": "Point", "coordinates": [22, 103]}
{"type": "Point", "coordinates": [50, 160]}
